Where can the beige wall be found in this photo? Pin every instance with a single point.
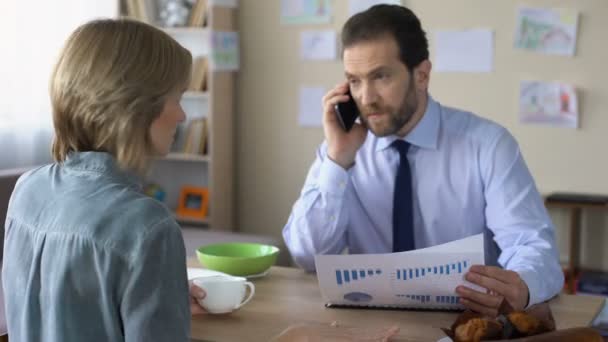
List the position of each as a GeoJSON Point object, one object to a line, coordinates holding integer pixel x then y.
{"type": "Point", "coordinates": [274, 153]}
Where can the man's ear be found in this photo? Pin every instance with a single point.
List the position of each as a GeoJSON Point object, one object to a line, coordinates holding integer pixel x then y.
{"type": "Point", "coordinates": [423, 75]}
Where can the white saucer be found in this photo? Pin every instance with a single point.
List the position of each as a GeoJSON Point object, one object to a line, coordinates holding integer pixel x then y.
{"type": "Point", "coordinates": [258, 275]}
{"type": "Point", "coordinates": [195, 272]}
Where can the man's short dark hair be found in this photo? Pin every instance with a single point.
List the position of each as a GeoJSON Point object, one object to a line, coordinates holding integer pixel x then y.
{"type": "Point", "coordinates": [393, 20]}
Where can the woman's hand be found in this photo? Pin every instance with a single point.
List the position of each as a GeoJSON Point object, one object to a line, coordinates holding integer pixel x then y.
{"type": "Point", "coordinates": [196, 294]}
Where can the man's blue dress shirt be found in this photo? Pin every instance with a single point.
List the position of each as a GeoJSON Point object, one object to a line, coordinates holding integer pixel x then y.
{"type": "Point", "coordinates": [468, 177]}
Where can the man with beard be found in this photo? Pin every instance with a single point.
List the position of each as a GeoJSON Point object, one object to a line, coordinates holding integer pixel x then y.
{"type": "Point", "coordinates": [415, 173]}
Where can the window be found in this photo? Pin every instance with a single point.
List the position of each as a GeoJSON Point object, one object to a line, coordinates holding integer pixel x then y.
{"type": "Point", "coordinates": [32, 39]}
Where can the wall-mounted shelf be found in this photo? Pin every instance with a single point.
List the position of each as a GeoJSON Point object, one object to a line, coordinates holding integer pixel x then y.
{"type": "Point", "coordinates": [196, 95]}
{"type": "Point", "coordinates": [191, 220]}
{"type": "Point", "coordinates": [186, 30]}
{"type": "Point", "coordinates": [188, 157]}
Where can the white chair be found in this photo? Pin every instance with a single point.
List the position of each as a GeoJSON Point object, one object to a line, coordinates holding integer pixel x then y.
{"type": "Point", "coordinates": [3, 328]}
{"type": "Point", "coordinates": [8, 178]}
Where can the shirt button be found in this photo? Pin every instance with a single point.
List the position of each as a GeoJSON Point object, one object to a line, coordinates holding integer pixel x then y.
{"type": "Point", "coordinates": [342, 185]}
{"type": "Point", "coordinates": [332, 218]}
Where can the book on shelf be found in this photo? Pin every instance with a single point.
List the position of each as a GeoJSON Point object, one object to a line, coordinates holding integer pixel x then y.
{"type": "Point", "coordinates": [141, 10]}
{"type": "Point", "coordinates": [196, 137]}
{"type": "Point", "coordinates": [202, 146]}
{"type": "Point", "coordinates": [198, 14]}
{"type": "Point", "coordinates": [198, 82]}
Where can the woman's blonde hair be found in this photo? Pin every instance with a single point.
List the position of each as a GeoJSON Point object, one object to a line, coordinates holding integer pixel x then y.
{"type": "Point", "coordinates": [111, 81]}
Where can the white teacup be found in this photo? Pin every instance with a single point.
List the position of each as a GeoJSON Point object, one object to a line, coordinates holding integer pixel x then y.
{"type": "Point", "coordinates": [224, 293]}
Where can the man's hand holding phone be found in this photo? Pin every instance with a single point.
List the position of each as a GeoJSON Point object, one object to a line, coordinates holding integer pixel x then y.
{"type": "Point", "coordinates": [342, 145]}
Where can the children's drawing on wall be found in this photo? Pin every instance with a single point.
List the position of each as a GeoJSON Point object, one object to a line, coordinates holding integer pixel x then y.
{"type": "Point", "coordinates": [311, 111]}
{"type": "Point", "coordinates": [549, 103]}
{"type": "Point", "coordinates": [225, 47]}
{"type": "Point", "coordinates": [318, 45]}
{"type": "Point", "coordinates": [356, 6]}
{"type": "Point", "coordinates": [550, 31]}
{"type": "Point", "coordinates": [305, 11]}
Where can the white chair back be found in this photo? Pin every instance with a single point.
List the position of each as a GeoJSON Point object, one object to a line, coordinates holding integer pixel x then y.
{"type": "Point", "coordinates": [8, 178]}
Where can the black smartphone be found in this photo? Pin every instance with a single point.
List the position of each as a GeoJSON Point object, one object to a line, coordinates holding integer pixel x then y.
{"type": "Point", "coordinates": [347, 113]}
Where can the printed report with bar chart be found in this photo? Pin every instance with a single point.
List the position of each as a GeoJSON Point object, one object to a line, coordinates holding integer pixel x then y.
{"type": "Point", "coordinates": [419, 279]}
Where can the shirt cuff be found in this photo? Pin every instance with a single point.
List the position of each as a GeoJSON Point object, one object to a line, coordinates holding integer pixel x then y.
{"type": "Point", "coordinates": [531, 279]}
{"type": "Point", "coordinates": [333, 179]}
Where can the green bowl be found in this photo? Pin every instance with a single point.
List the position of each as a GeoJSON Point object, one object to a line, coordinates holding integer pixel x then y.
{"type": "Point", "coordinates": [239, 259]}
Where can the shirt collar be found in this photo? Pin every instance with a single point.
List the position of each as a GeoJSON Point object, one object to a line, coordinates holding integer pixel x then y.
{"type": "Point", "coordinates": [425, 134]}
{"type": "Point", "coordinates": [101, 162]}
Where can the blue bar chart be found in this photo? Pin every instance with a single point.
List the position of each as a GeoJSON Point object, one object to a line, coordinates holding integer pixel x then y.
{"type": "Point", "coordinates": [406, 274]}
{"type": "Point", "coordinates": [419, 279]}
{"type": "Point", "coordinates": [347, 276]}
{"type": "Point", "coordinates": [430, 299]}
{"type": "Point", "coordinates": [447, 299]}
{"type": "Point", "coordinates": [418, 298]}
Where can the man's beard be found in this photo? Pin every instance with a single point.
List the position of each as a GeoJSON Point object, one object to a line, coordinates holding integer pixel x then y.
{"type": "Point", "coordinates": [398, 118]}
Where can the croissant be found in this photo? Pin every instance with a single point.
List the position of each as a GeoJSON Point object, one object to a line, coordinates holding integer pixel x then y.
{"type": "Point", "coordinates": [526, 324]}
{"type": "Point", "coordinates": [536, 324]}
{"type": "Point", "coordinates": [478, 329]}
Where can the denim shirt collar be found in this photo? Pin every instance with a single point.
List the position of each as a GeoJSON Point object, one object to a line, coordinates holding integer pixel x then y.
{"type": "Point", "coordinates": [425, 134]}
{"type": "Point", "coordinates": [103, 163]}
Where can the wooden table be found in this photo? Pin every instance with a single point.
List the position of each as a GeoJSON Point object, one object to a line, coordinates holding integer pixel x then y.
{"type": "Point", "coordinates": [288, 296]}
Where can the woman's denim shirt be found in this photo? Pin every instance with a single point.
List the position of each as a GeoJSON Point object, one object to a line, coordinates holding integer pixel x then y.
{"type": "Point", "coordinates": [89, 257]}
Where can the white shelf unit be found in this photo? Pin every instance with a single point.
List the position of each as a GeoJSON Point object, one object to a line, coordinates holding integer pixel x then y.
{"type": "Point", "coordinates": [197, 95]}
{"type": "Point", "coordinates": [215, 170]}
{"type": "Point", "coordinates": [176, 31]}
{"type": "Point", "coordinates": [187, 157]}
{"type": "Point", "coordinates": [191, 220]}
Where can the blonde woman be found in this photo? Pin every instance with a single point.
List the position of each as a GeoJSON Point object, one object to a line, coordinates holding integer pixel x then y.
{"type": "Point", "coordinates": [88, 256]}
